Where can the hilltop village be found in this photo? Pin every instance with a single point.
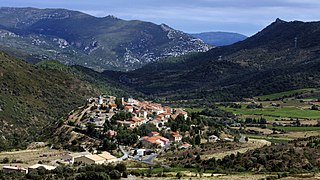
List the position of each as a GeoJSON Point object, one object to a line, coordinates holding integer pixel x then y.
{"type": "Point", "coordinates": [110, 134]}
{"type": "Point", "coordinates": [103, 108]}
{"type": "Point", "coordinates": [112, 127]}
{"type": "Point", "coordinates": [132, 126]}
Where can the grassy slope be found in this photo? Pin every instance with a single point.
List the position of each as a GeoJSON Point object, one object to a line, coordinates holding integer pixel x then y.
{"type": "Point", "coordinates": [33, 98]}
{"type": "Point", "coordinates": [291, 107]}
{"type": "Point", "coordinates": [286, 93]}
{"type": "Point", "coordinates": [103, 83]}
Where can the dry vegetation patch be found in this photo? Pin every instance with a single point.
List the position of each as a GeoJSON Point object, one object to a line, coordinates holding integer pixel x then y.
{"type": "Point", "coordinates": [30, 157]}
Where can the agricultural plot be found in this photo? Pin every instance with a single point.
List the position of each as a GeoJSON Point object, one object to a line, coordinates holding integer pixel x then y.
{"type": "Point", "coordinates": [286, 94]}
{"type": "Point", "coordinates": [276, 112]}
{"type": "Point", "coordinates": [295, 128]}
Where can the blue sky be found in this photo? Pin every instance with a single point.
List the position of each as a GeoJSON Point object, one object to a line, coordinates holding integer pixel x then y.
{"type": "Point", "coordinates": [242, 16]}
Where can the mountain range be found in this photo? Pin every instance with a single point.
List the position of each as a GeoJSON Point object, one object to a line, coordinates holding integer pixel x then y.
{"type": "Point", "coordinates": [283, 56]}
{"type": "Point", "coordinates": [220, 38]}
{"type": "Point", "coordinates": [76, 38]}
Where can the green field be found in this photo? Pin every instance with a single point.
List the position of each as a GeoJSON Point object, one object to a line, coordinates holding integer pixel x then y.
{"type": "Point", "coordinates": [286, 93]}
{"type": "Point", "coordinates": [277, 112]}
{"type": "Point", "coordinates": [295, 129]}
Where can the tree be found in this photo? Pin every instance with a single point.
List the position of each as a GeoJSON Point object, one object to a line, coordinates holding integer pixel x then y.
{"type": "Point", "coordinates": [5, 160]}
{"type": "Point", "coordinates": [41, 171]}
{"type": "Point", "coordinates": [115, 174]}
{"type": "Point", "coordinates": [236, 139]}
{"type": "Point", "coordinates": [91, 130]}
{"type": "Point", "coordinates": [315, 107]}
{"type": "Point", "coordinates": [74, 142]}
{"type": "Point", "coordinates": [146, 128]}
{"type": "Point", "coordinates": [197, 140]}
{"type": "Point", "coordinates": [118, 102]}
{"type": "Point", "coordinates": [93, 175]}
{"type": "Point", "coordinates": [179, 175]}
{"type": "Point", "coordinates": [121, 167]}
{"type": "Point", "coordinates": [108, 145]}
{"type": "Point", "coordinates": [125, 174]}
{"type": "Point", "coordinates": [126, 137]}
{"type": "Point", "coordinates": [263, 121]}
{"type": "Point", "coordinates": [33, 174]}
{"type": "Point", "coordinates": [198, 158]}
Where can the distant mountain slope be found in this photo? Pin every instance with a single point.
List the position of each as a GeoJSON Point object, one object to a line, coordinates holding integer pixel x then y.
{"type": "Point", "coordinates": [100, 43]}
{"type": "Point", "coordinates": [220, 38]}
{"type": "Point", "coordinates": [265, 63]}
{"type": "Point", "coordinates": [34, 97]}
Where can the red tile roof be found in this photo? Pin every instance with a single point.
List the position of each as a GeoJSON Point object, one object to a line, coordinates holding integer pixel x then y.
{"type": "Point", "coordinates": [154, 139]}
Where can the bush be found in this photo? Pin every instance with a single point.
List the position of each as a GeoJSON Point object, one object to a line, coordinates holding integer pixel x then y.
{"type": "Point", "coordinates": [125, 174]}
{"type": "Point", "coordinates": [179, 175]}
{"type": "Point", "coordinates": [135, 173]}
{"type": "Point", "coordinates": [115, 174]}
{"type": "Point", "coordinates": [5, 160]}
{"type": "Point", "coordinates": [121, 167]}
{"type": "Point", "coordinates": [93, 175]}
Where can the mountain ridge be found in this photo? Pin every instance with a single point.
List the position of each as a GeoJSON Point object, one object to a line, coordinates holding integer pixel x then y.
{"type": "Point", "coordinates": [267, 62]}
{"type": "Point", "coordinates": [99, 43]}
{"type": "Point", "coordinates": [220, 38]}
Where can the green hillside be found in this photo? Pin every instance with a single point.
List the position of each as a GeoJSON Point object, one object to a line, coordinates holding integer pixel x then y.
{"type": "Point", "coordinates": [34, 97]}
{"type": "Point", "coordinates": [265, 63]}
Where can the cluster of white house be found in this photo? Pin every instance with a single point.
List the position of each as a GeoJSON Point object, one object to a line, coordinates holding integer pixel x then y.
{"type": "Point", "coordinates": [146, 111]}
{"type": "Point", "coordinates": [142, 111]}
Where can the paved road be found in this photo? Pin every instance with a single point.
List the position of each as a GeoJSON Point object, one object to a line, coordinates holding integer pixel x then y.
{"type": "Point", "coordinates": [125, 154]}
{"type": "Point", "coordinates": [149, 159]}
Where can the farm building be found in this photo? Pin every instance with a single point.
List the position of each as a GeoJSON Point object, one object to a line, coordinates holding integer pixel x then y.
{"type": "Point", "coordinates": [108, 157]}
{"type": "Point", "coordinates": [70, 157]}
{"type": "Point", "coordinates": [90, 159]}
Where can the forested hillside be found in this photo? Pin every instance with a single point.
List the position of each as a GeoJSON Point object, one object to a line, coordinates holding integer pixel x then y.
{"type": "Point", "coordinates": [283, 56]}
{"type": "Point", "coordinates": [33, 98]}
